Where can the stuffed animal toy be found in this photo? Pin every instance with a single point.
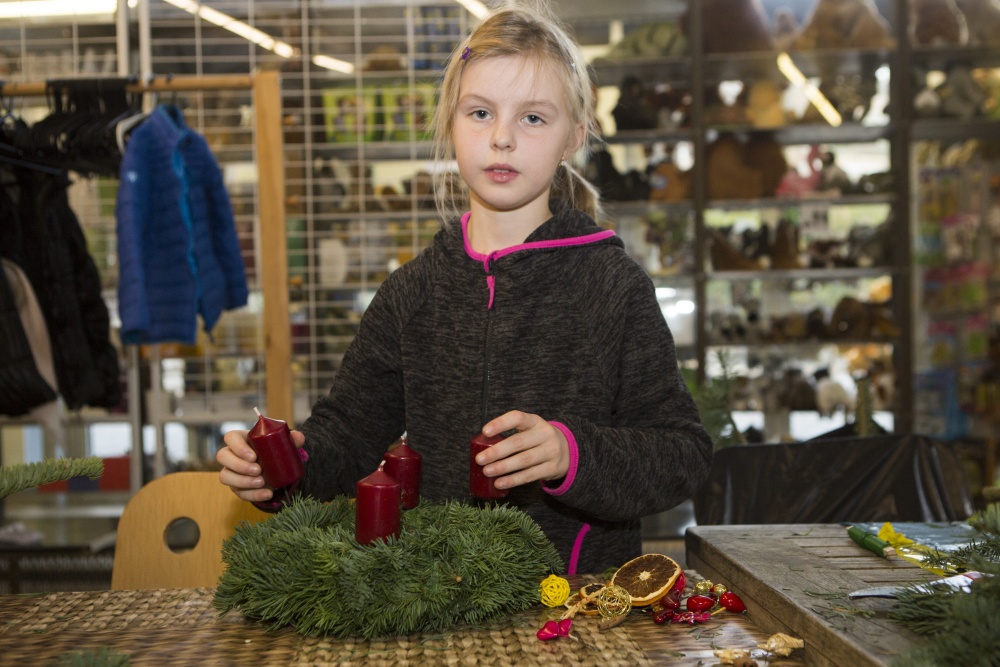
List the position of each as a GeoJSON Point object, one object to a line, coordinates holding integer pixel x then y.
{"type": "Point", "coordinates": [766, 156]}
{"type": "Point", "coordinates": [832, 178]}
{"type": "Point", "coordinates": [785, 253]}
{"type": "Point", "coordinates": [983, 20]}
{"type": "Point", "coordinates": [764, 108]}
{"type": "Point", "coordinates": [633, 111]}
{"type": "Point", "coordinates": [650, 40]}
{"type": "Point", "coordinates": [727, 257]}
{"type": "Point", "coordinates": [937, 23]}
{"type": "Point", "coordinates": [728, 174]}
{"type": "Point", "coordinates": [831, 396]}
{"type": "Point", "coordinates": [850, 94]}
{"type": "Point", "coordinates": [667, 182]}
{"type": "Point", "coordinates": [794, 184]}
{"type": "Point", "coordinates": [732, 26]}
{"type": "Point", "coordinates": [961, 96]}
{"type": "Point", "coordinates": [786, 27]}
{"type": "Point", "coordinates": [844, 24]}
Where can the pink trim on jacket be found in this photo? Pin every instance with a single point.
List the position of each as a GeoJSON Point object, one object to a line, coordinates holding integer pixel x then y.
{"type": "Point", "coordinates": [574, 556]}
{"type": "Point", "coordinates": [574, 462]}
{"type": "Point", "coordinates": [496, 254]}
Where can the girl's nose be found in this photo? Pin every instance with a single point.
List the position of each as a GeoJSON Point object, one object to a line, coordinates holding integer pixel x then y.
{"type": "Point", "coordinates": [503, 138]}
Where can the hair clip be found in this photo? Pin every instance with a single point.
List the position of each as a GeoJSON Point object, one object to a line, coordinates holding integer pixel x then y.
{"type": "Point", "coordinates": [466, 52]}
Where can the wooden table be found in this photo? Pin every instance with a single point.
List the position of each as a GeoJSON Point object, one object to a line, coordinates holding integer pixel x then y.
{"type": "Point", "coordinates": [795, 579]}
{"type": "Point", "coordinates": [180, 627]}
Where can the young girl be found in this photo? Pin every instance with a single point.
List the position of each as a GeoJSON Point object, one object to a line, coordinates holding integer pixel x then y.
{"type": "Point", "coordinates": [524, 318]}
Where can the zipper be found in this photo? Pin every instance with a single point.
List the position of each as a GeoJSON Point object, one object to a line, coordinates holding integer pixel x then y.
{"type": "Point", "coordinates": [488, 265]}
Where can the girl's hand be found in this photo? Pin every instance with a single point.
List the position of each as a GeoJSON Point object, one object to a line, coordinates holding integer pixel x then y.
{"type": "Point", "coordinates": [538, 451]}
{"type": "Point", "coordinates": [240, 471]}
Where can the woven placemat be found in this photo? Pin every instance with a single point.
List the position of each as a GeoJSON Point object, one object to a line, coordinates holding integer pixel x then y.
{"type": "Point", "coordinates": [180, 627]}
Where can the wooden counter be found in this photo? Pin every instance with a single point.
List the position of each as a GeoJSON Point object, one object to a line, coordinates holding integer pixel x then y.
{"type": "Point", "coordinates": [796, 578]}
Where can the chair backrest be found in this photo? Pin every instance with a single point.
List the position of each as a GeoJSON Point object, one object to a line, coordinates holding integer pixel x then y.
{"type": "Point", "coordinates": [143, 559]}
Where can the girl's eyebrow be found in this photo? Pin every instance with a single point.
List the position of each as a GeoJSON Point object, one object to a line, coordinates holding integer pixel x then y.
{"type": "Point", "coordinates": [529, 104]}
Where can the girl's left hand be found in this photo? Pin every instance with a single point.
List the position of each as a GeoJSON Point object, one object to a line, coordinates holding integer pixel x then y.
{"type": "Point", "coordinates": [538, 451]}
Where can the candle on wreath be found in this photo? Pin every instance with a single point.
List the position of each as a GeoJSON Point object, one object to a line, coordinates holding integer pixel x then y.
{"type": "Point", "coordinates": [402, 463]}
{"type": "Point", "coordinates": [278, 457]}
{"type": "Point", "coordinates": [480, 485]}
{"type": "Point", "coordinates": [377, 507]}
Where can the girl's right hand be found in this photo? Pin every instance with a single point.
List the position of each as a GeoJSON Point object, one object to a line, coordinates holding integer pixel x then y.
{"type": "Point", "coordinates": [240, 471]}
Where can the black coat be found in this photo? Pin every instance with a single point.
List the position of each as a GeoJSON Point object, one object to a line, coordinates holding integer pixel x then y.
{"type": "Point", "coordinates": [42, 235]}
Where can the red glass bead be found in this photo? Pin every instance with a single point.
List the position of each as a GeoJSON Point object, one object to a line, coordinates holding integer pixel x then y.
{"type": "Point", "coordinates": [732, 602]}
{"type": "Point", "coordinates": [700, 603]}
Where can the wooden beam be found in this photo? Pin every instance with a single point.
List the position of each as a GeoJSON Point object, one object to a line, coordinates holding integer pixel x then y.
{"type": "Point", "coordinates": [273, 247]}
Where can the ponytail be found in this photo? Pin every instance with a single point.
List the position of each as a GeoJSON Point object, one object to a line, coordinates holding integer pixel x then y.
{"type": "Point", "coordinates": [569, 186]}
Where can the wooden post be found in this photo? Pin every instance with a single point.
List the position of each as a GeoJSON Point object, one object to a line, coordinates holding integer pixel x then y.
{"type": "Point", "coordinates": [273, 246]}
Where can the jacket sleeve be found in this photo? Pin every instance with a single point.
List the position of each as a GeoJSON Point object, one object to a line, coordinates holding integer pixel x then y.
{"type": "Point", "coordinates": [656, 453]}
{"type": "Point", "coordinates": [351, 427]}
{"type": "Point", "coordinates": [225, 240]}
{"type": "Point", "coordinates": [131, 214]}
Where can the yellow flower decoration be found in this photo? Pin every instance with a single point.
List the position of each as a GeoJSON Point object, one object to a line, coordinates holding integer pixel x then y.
{"type": "Point", "coordinates": [553, 590]}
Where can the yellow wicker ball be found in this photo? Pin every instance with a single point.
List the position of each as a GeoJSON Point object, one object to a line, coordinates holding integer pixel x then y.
{"type": "Point", "coordinates": [613, 601]}
{"type": "Point", "coordinates": [553, 590]}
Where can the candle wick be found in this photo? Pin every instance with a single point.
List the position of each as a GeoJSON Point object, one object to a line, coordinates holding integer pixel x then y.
{"type": "Point", "coordinates": [381, 465]}
{"type": "Point", "coordinates": [257, 411]}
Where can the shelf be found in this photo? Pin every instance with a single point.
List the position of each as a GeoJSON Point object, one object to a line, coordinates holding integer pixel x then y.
{"type": "Point", "coordinates": [811, 343]}
{"type": "Point", "coordinates": [786, 203]}
{"type": "Point", "coordinates": [943, 57]}
{"type": "Point", "coordinates": [798, 274]}
{"type": "Point", "coordinates": [812, 133]}
{"type": "Point", "coordinates": [641, 207]}
{"type": "Point", "coordinates": [954, 129]}
{"type": "Point", "coordinates": [763, 65]}
{"type": "Point", "coordinates": [647, 137]}
{"type": "Point", "coordinates": [663, 69]}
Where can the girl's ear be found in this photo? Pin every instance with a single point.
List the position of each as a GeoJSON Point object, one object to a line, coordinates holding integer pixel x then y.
{"type": "Point", "coordinates": [576, 141]}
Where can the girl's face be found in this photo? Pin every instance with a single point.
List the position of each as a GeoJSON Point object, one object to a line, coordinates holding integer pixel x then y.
{"type": "Point", "coordinates": [512, 128]}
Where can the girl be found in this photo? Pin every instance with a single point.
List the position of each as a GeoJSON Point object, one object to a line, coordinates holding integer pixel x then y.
{"type": "Point", "coordinates": [524, 318]}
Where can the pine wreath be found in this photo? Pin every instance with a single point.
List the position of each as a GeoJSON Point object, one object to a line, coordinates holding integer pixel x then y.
{"type": "Point", "coordinates": [453, 564]}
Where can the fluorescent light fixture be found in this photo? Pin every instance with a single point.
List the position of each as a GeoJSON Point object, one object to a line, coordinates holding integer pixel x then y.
{"type": "Point", "coordinates": [476, 8]}
{"type": "Point", "coordinates": [41, 8]}
{"type": "Point", "coordinates": [258, 37]}
{"type": "Point", "coordinates": [333, 63]}
{"type": "Point", "coordinates": [818, 99]}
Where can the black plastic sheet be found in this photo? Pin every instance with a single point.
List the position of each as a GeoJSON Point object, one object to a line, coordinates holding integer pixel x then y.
{"type": "Point", "coordinates": [882, 478]}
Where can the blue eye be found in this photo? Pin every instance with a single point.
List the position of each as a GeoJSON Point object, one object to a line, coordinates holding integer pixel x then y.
{"type": "Point", "coordinates": [480, 114]}
{"type": "Point", "coordinates": [533, 119]}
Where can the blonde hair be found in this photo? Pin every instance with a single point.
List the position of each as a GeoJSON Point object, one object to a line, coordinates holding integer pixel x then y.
{"type": "Point", "coordinates": [532, 34]}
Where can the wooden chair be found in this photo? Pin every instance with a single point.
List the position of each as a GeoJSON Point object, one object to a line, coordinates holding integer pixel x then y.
{"type": "Point", "coordinates": [142, 557]}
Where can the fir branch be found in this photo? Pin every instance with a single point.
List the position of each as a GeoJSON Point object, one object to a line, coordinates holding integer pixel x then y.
{"type": "Point", "coordinates": [453, 564]}
{"type": "Point", "coordinates": [26, 475]}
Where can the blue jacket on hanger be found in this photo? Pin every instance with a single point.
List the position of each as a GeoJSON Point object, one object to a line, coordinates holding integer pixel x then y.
{"type": "Point", "coordinates": [178, 252]}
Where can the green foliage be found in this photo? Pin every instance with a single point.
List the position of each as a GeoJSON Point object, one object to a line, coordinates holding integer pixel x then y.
{"type": "Point", "coordinates": [961, 628]}
{"type": "Point", "coordinates": [26, 475]}
{"type": "Point", "coordinates": [453, 564]}
{"type": "Point", "coordinates": [104, 657]}
{"type": "Point", "coordinates": [712, 399]}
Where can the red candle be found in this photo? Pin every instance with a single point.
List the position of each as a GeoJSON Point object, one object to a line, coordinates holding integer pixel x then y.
{"type": "Point", "coordinates": [402, 463]}
{"type": "Point", "coordinates": [377, 509]}
{"type": "Point", "coordinates": [480, 485]}
{"type": "Point", "coordinates": [277, 455]}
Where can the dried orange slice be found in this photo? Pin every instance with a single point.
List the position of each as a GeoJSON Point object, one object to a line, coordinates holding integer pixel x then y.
{"type": "Point", "coordinates": [588, 608]}
{"type": "Point", "coordinates": [647, 578]}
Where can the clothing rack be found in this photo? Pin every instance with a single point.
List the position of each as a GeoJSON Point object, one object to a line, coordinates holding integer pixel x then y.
{"type": "Point", "coordinates": [266, 94]}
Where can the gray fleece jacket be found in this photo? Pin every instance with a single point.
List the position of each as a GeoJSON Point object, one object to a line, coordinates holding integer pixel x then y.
{"type": "Point", "coordinates": [566, 326]}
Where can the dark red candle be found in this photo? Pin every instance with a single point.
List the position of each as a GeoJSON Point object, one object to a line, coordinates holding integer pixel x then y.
{"type": "Point", "coordinates": [480, 485]}
{"type": "Point", "coordinates": [377, 509]}
{"type": "Point", "coordinates": [402, 463]}
{"type": "Point", "coordinates": [277, 455]}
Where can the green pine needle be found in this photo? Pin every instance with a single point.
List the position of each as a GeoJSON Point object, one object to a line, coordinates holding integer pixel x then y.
{"type": "Point", "coordinates": [26, 475]}
{"type": "Point", "coordinates": [959, 628]}
{"type": "Point", "coordinates": [453, 564]}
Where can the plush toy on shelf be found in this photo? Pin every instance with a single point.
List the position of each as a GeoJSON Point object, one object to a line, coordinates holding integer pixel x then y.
{"type": "Point", "coordinates": [937, 23]}
{"type": "Point", "coordinates": [844, 24]}
{"type": "Point", "coordinates": [732, 26]}
{"type": "Point", "coordinates": [983, 20]}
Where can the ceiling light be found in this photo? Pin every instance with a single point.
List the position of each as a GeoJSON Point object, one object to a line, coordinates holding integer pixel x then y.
{"type": "Point", "coordinates": [333, 63]}
{"type": "Point", "coordinates": [476, 8]}
{"type": "Point", "coordinates": [41, 8]}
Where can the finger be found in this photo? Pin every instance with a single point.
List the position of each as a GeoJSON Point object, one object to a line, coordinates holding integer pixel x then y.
{"type": "Point", "coordinates": [229, 460]}
{"type": "Point", "coordinates": [240, 482]}
{"type": "Point", "coordinates": [523, 476]}
{"type": "Point", "coordinates": [256, 496]}
{"type": "Point", "coordinates": [299, 438]}
{"type": "Point", "coordinates": [237, 441]}
{"type": "Point", "coordinates": [509, 421]}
